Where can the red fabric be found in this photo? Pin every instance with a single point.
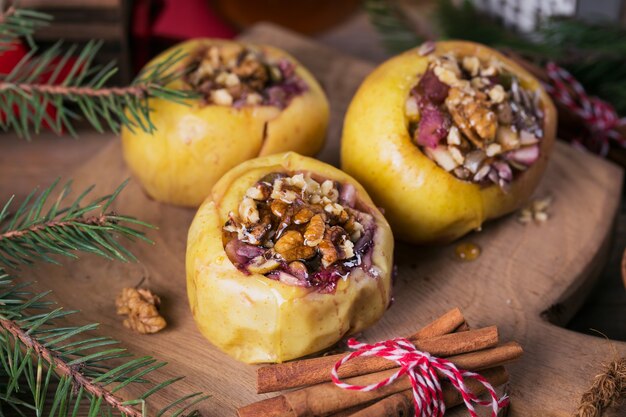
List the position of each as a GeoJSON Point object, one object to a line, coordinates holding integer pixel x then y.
{"type": "Point", "coordinates": [190, 19]}
{"type": "Point", "coordinates": [158, 24]}
{"type": "Point", "coordinates": [11, 57]}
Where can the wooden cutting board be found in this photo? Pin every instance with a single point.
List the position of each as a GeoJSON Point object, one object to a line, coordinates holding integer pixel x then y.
{"type": "Point", "coordinates": [528, 281]}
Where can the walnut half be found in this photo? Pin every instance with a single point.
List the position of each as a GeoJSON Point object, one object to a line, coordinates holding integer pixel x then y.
{"type": "Point", "coordinates": [142, 308]}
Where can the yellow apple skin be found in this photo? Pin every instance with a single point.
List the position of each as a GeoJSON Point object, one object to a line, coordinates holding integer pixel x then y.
{"type": "Point", "coordinates": [195, 144]}
{"type": "Point", "coordinates": [424, 203]}
{"type": "Point", "coordinates": [256, 319]}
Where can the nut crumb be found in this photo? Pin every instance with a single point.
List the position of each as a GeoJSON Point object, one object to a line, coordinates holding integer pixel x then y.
{"type": "Point", "coordinates": [222, 97]}
{"type": "Point", "coordinates": [471, 64]}
{"type": "Point", "coordinates": [248, 211]}
{"type": "Point", "coordinates": [536, 210]}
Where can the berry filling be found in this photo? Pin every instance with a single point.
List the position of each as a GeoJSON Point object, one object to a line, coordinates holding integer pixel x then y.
{"type": "Point", "coordinates": [238, 75]}
{"type": "Point", "coordinates": [301, 230]}
{"type": "Point", "coordinates": [474, 119]}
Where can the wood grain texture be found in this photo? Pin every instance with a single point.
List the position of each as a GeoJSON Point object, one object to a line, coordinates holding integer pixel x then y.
{"type": "Point", "coordinates": [527, 280]}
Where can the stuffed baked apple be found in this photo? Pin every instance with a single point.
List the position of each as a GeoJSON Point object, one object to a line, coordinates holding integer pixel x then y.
{"type": "Point", "coordinates": [253, 100]}
{"type": "Point", "coordinates": [447, 136]}
{"type": "Point", "coordinates": [285, 257]}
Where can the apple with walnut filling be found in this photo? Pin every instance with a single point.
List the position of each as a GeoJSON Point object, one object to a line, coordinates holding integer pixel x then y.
{"type": "Point", "coordinates": [285, 257]}
{"type": "Point", "coordinates": [446, 137]}
{"type": "Point", "coordinates": [253, 100]}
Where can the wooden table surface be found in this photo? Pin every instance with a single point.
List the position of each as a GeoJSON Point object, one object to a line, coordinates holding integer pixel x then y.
{"type": "Point", "coordinates": [49, 157]}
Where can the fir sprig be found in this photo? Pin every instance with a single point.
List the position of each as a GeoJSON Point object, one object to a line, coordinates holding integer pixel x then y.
{"type": "Point", "coordinates": [82, 93]}
{"type": "Point", "coordinates": [395, 31]}
{"type": "Point", "coordinates": [43, 226]}
{"type": "Point", "coordinates": [16, 23]}
{"type": "Point", "coordinates": [69, 364]}
{"type": "Point", "coordinates": [47, 367]}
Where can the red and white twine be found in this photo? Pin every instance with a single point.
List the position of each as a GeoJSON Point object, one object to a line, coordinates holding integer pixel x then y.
{"type": "Point", "coordinates": [421, 369]}
{"type": "Point", "coordinates": [600, 116]}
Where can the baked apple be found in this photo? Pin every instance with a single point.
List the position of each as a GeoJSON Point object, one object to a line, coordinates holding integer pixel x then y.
{"type": "Point", "coordinates": [285, 257]}
{"type": "Point", "coordinates": [447, 136]}
{"type": "Point", "coordinates": [253, 100]}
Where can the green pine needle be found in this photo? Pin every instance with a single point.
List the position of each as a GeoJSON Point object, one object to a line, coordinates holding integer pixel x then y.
{"type": "Point", "coordinates": [396, 34]}
{"type": "Point", "coordinates": [42, 227]}
{"type": "Point", "coordinates": [18, 23]}
{"type": "Point", "coordinates": [25, 99]}
{"type": "Point", "coordinates": [51, 370]}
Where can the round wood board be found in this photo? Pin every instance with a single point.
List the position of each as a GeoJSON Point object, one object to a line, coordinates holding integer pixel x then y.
{"type": "Point", "coordinates": [528, 280]}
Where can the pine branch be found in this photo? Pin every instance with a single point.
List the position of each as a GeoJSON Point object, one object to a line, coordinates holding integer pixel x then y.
{"type": "Point", "coordinates": [35, 233]}
{"type": "Point", "coordinates": [37, 355]}
{"type": "Point", "coordinates": [16, 23]}
{"type": "Point", "coordinates": [396, 34]}
{"type": "Point", "coordinates": [63, 369]}
{"type": "Point", "coordinates": [25, 99]}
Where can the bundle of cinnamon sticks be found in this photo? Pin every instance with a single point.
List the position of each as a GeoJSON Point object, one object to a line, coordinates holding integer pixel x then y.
{"type": "Point", "coordinates": [448, 336]}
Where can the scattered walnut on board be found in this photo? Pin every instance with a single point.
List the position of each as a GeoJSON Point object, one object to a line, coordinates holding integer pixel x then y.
{"type": "Point", "coordinates": [142, 308]}
{"type": "Point", "coordinates": [536, 210]}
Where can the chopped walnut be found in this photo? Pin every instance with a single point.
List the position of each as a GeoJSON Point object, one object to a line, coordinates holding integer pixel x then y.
{"type": "Point", "coordinates": [238, 75]}
{"type": "Point", "coordinates": [471, 64]}
{"type": "Point", "coordinates": [497, 94]}
{"type": "Point", "coordinates": [142, 308]}
{"type": "Point", "coordinates": [291, 247]}
{"type": "Point", "coordinates": [258, 192]}
{"type": "Point", "coordinates": [314, 232]}
{"type": "Point", "coordinates": [260, 265]}
{"type": "Point", "coordinates": [536, 210]}
{"type": "Point", "coordinates": [248, 211]}
{"type": "Point", "coordinates": [474, 119]}
{"type": "Point", "coordinates": [298, 230]}
{"type": "Point", "coordinates": [304, 215]}
{"type": "Point", "coordinates": [472, 115]}
{"type": "Point", "coordinates": [328, 251]}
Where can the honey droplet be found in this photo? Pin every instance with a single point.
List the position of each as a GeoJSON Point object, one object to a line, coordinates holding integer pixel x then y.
{"type": "Point", "coordinates": [467, 251]}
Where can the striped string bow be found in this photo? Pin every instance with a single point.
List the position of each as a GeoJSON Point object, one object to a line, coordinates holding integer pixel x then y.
{"type": "Point", "coordinates": [421, 369]}
{"type": "Point", "coordinates": [599, 115]}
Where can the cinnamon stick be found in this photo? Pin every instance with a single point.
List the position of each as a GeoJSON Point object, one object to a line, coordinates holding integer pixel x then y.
{"type": "Point", "coordinates": [402, 403]}
{"type": "Point", "coordinates": [445, 324]}
{"type": "Point", "coordinates": [316, 370]}
{"type": "Point", "coordinates": [500, 355]}
{"type": "Point", "coordinates": [350, 411]}
{"type": "Point", "coordinates": [463, 327]}
{"type": "Point", "coordinates": [326, 399]}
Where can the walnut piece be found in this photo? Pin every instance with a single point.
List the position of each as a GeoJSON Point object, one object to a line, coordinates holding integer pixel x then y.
{"type": "Point", "coordinates": [303, 216]}
{"type": "Point", "coordinates": [142, 308]}
{"type": "Point", "coordinates": [314, 232]}
{"type": "Point", "coordinates": [292, 248]}
{"type": "Point", "coordinates": [536, 210]}
{"type": "Point", "coordinates": [328, 251]}
{"type": "Point", "coordinates": [473, 116]}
